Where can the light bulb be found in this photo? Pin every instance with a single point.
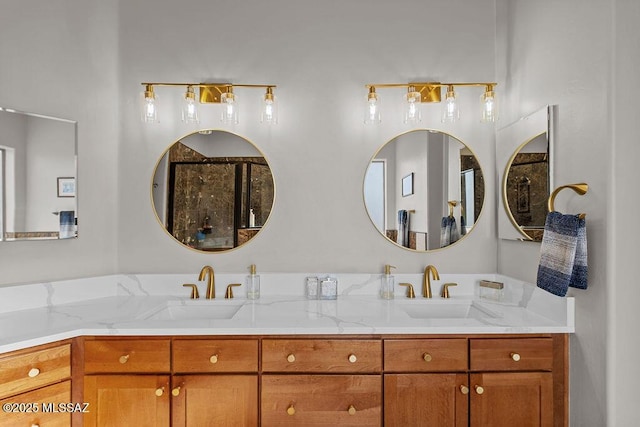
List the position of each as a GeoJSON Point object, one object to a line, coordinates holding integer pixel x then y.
{"type": "Point", "coordinates": [229, 107]}
{"type": "Point", "coordinates": [412, 113]}
{"type": "Point", "coordinates": [450, 110]}
{"type": "Point", "coordinates": [269, 110]}
{"type": "Point", "coordinates": [372, 108]}
{"type": "Point", "coordinates": [189, 107]}
{"type": "Point", "coordinates": [489, 105]}
{"type": "Point", "coordinates": [149, 111]}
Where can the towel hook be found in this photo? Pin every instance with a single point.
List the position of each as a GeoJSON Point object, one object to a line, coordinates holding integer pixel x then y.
{"type": "Point", "coordinates": [452, 204]}
{"type": "Point", "coordinates": [581, 188]}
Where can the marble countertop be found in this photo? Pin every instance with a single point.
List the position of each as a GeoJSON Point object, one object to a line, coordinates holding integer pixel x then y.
{"type": "Point", "coordinates": [157, 305]}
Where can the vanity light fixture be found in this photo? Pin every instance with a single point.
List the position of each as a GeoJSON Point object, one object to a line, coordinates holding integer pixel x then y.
{"type": "Point", "coordinates": [431, 92]}
{"type": "Point", "coordinates": [209, 93]}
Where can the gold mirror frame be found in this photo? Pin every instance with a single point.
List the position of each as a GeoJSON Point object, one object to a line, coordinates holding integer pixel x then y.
{"type": "Point", "coordinates": [445, 206]}
{"type": "Point", "coordinates": [244, 192]}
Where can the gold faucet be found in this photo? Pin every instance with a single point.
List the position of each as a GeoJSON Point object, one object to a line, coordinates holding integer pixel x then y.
{"type": "Point", "coordinates": [429, 272]}
{"type": "Point", "coordinates": [211, 281]}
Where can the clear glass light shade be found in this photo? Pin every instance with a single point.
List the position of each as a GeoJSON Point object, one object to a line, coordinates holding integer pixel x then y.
{"type": "Point", "coordinates": [269, 109]}
{"type": "Point", "coordinates": [148, 107]}
{"type": "Point", "coordinates": [489, 105]}
{"type": "Point", "coordinates": [372, 109]}
{"type": "Point", "coordinates": [189, 107]}
{"type": "Point", "coordinates": [412, 111]}
{"type": "Point", "coordinates": [450, 109]}
{"type": "Point", "coordinates": [229, 106]}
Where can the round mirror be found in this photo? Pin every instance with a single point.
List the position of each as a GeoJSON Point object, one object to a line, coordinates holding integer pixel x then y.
{"type": "Point", "coordinates": [424, 190]}
{"type": "Point", "coordinates": [212, 190]}
{"type": "Point", "coordinates": [526, 187]}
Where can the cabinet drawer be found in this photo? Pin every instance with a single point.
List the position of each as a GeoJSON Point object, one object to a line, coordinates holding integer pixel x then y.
{"type": "Point", "coordinates": [43, 404]}
{"type": "Point", "coordinates": [336, 400]}
{"type": "Point", "coordinates": [512, 354]}
{"type": "Point", "coordinates": [27, 371]}
{"type": "Point", "coordinates": [215, 356]}
{"type": "Point", "coordinates": [425, 355]}
{"type": "Point", "coordinates": [130, 355]}
{"type": "Point", "coordinates": [316, 355]}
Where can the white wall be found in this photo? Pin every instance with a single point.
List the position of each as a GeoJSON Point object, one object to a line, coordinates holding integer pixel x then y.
{"type": "Point", "coordinates": [320, 55]}
{"type": "Point", "coordinates": [623, 339]}
{"type": "Point", "coordinates": [559, 52]}
{"type": "Point", "coordinates": [59, 58]}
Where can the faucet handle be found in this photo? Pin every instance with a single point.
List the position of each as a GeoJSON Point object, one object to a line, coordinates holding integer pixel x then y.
{"type": "Point", "coordinates": [194, 290]}
{"type": "Point", "coordinates": [445, 289]}
{"type": "Point", "coordinates": [410, 292]}
{"type": "Point", "coordinates": [229, 293]}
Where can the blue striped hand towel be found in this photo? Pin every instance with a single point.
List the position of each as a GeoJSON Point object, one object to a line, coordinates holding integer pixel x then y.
{"type": "Point", "coordinates": [563, 254]}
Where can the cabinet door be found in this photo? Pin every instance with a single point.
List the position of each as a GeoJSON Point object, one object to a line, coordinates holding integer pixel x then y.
{"type": "Point", "coordinates": [127, 400]}
{"type": "Point", "coordinates": [214, 400]}
{"type": "Point", "coordinates": [438, 400]}
{"type": "Point", "coordinates": [523, 399]}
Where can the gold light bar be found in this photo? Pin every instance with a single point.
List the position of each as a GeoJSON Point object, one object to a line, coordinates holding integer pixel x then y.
{"type": "Point", "coordinates": [210, 93]}
{"type": "Point", "coordinates": [429, 91]}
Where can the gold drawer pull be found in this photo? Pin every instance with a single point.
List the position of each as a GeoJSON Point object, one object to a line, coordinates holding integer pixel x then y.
{"type": "Point", "coordinates": [159, 391]}
{"type": "Point", "coordinates": [464, 389]}
{"type": "Point", "coordinates": [33, 372]}
{"type": "Point", "coordinates": [213, 359]}
{"type": "Point", "coordinates": [479, 389]}
{"type": "Point", "coordinates": [175, 391]}
{"type": "Point", "coordinates": [351, 410]}
{"type": "Point", "coordinates": [515, 357]}
{"type": "Point", "coordinates": [291, 410]}
{"type": "Point", "coordinates": [353, 358]}
{"type": "Point", "coordinates": [291, 358]}
{"type": "Point", "coordinates": [35, 425]}
{"type": "Point", "coordinates": [124, 359]}
{"type": "Point", "coordinates": [427, 357]}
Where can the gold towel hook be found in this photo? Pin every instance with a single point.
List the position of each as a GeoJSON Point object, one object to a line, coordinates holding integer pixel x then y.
{"type": "Point", "coordinates": [452, 204]}
{"type": "Point", "coordinates": [581, 188]}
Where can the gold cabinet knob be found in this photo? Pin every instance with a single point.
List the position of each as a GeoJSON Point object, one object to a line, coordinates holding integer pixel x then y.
{"type": "Point", "coordinates": [214, 359]}
{"type": "Point", "coordinates": [464, 389]}
{"type": "Point", "coordinates": [124, 359]}
{"type": "Point", "coordinates": [291, 358]}
{"type": "Point", "coordinates": [351, 410]}
{"type": "Point", "coordinates": [353, 358]}
{"type": "Point", "coordinates": [291, 410]}
{"type": "Point", "coordinates": [515, 357]}
{"type": "Point", "coordinates": [159, 391]}
{"type": "Point", "coordinates": [427, 357]}
{"type": "Point", "coordinates": [479, 389]}
{"type": "Point", "coordinates": [33, 372]}
{"type": "Point", "coordinates": [175, 391]}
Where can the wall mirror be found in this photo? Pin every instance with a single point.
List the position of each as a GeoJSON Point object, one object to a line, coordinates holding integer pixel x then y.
{"type": "Point", "coordinates": [38, 156]}
{"type": "Point", "coordinates": [446, 196]}
{"type": "Point", "coordinates": [212, 190]}
{"type": "Point", "coordinates": [524, 161]}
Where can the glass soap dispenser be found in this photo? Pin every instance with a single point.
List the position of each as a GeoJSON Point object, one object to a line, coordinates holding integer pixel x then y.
{"type": "Point", "coordinates": [387, 283]}
{"type": "Point", "coordinates": [253, 283]}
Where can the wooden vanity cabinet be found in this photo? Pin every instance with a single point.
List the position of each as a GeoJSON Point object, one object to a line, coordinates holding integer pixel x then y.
{"type": "Point", "coordinates": [425, 382]}
{"type": "Point", "coordinates": [335, 382]}
{"type": "Point", "coordinates": [171, 382]}
{"type": "Point", "coordinates": [33, 382]}
{"type": "Point", "coordinates": [505, 381]}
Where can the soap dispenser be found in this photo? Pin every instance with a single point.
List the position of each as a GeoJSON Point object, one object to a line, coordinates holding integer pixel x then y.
{"type": "Point", "coordinates": [253, 283]}
{"type": "Point", "coordinates": [387, 283]}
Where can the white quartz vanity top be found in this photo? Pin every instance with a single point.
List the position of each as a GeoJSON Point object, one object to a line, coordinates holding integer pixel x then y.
{"type": "Point", "coordinates": [143, 305]}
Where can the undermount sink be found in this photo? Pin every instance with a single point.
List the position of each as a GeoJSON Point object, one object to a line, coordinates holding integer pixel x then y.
{"type": "Point", "coordinates": [446, 309]}
{"type": "Point", "coordinates": [194, 309]}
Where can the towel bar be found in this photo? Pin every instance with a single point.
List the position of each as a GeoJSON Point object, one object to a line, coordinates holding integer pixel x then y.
{"type": "Point", "coordinates": [580, 188]}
